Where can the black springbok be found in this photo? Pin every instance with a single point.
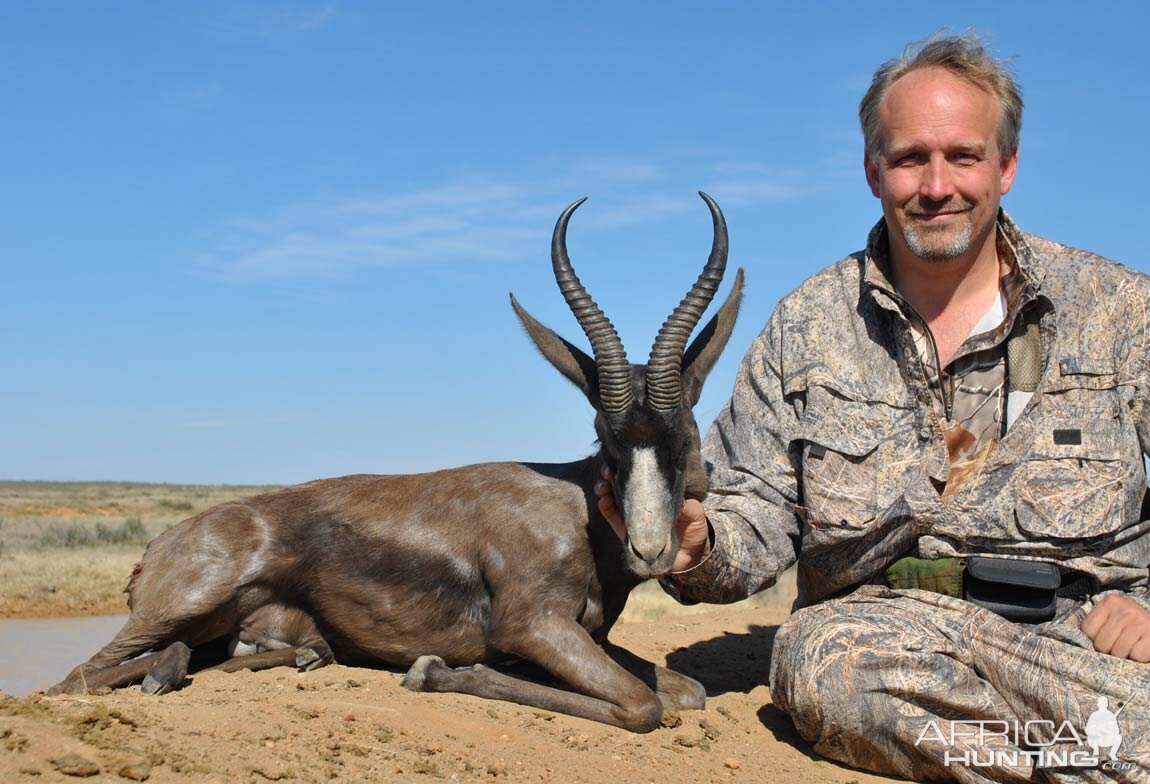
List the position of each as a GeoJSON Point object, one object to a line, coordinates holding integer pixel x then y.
{"type": "Point", "coordinates": [449, 570]}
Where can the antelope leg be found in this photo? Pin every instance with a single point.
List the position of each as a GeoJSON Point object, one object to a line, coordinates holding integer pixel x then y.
{"type": "Point", "coordinates": [113, 665]}
{"type": "Point", "coordinates": [607, 693]}
{"type": "Point", "coordinates": [675, 690]}
{"type": "Point", "coordinates": [304, 658]}
{"type": "Point", "coordinates": [114, 677]}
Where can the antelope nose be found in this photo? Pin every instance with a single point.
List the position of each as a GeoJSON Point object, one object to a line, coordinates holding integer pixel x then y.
{"type": "Point", "coordinates": [648, 559]}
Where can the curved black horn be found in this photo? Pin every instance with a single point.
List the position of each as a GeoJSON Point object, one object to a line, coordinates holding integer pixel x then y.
{"type": "Point", "coordinates": [664, 391]}
{"type": "Point", "coordinates": [610, 358]}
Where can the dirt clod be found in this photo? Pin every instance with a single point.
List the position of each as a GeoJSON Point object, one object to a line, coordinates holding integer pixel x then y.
{"type": "Point", "coordinates": [75, 765]}
{"type": "Point", "coordinates": [710, 731]}
{"type": "Point", "coordinates": [137, 772]}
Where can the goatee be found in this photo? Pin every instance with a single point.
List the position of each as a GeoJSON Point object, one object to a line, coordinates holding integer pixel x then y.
{"type": "Point", "coordinates": [938, 243]}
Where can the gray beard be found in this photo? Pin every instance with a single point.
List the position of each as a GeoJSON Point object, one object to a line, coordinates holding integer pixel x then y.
{"type": "Point", "coordinates": [932, 245]}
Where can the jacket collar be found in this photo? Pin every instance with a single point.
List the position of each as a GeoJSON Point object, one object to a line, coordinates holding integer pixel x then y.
{"type": "Point", "coordinates": [1023, 267]}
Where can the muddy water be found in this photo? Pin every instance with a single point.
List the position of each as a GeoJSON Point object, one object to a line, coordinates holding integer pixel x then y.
{"type": "Point", "coordinates": [37, 652]}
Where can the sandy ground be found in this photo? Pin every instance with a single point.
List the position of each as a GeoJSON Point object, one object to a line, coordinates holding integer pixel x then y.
{"type": "Point", "coordinates": [345, 724]}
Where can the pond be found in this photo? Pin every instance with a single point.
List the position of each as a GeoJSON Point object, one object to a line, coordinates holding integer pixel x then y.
{"type": "Point", "coordinates": [38, 652]}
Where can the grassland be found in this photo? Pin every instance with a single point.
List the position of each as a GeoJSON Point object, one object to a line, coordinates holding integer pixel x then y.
{"type": "Point", "coordinates": [67, 548]}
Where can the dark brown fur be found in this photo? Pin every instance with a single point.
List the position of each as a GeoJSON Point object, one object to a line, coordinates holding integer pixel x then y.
{"type": "Point", "coordinates": [443, 572]}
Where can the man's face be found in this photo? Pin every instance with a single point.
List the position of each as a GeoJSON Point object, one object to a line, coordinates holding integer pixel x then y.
{"type": "Point", "coordinates": [939, 172]}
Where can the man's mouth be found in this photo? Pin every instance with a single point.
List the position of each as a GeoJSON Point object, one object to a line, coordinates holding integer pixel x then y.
{"type": "Point", "coordinates": [914, 209]}
{"type": "Point", "coordinates": [935, 216]}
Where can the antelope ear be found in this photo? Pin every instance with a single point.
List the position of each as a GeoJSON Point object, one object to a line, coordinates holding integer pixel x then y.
{"type": "Point", "coordinates": [704, 351]}
{"type": "Point", "coordinates": [579, 368]}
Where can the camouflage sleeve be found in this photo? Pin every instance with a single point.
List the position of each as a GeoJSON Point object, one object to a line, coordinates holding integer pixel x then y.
{"type": "Point", "coordinates": [753, 485]}
{"type": "Point", "coordinates": [1135, 366]}
{"type": "Point", "coordinates": [1137, 319]}
{"type": "Point", "coordinates": [1142, 599]}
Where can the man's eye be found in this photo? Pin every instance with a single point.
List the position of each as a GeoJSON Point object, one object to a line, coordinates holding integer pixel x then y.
{"type": "Point", "coordinates": [913, 159]}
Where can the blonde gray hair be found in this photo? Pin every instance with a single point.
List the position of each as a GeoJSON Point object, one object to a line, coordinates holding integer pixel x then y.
{"type": "Point", "coordinates": [965, 57]}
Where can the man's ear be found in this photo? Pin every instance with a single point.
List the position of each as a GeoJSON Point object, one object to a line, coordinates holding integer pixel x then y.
{"type": "Point", "coordinates": [579, 368]}
{"type": "Point", "coordinates": [704, 351]}
{"type": "Point", "coordinates": [1007, 168]}
{"type": "Point", "coordinates": [870, 165]}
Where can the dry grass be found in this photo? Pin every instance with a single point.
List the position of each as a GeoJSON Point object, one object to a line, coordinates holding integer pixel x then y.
{"type": "Point", "coordinates": [49, 582]}
{"type": "Point", "coordinates": [31, 511]}
{"type": "Point", "coordinates": [67, 548]}
{"type": "Point", "coordinates": [648, 602]}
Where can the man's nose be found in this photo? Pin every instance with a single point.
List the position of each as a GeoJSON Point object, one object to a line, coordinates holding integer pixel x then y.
{"type": "Point", "coordinates": [937, 180]}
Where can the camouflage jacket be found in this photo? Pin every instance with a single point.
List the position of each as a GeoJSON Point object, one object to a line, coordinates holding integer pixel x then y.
{"type": "Point", "coordinates": [825, 453]}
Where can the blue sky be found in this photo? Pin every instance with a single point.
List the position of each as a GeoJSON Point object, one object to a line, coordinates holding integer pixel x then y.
{"type": "Point", "coordinates": [268, 242]}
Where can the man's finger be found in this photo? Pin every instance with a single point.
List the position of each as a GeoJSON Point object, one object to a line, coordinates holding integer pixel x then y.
{"type": "Point", "coordinates": [1126, 641]}
{"type": "Point", "coordinates": [1141, 650]}
{"type": "Point", "coordinates": [609, 511]}
{"type": "Point", "coordinates": [1095, 620]}
{"type": "Point", "coordinates": [1107, 636]}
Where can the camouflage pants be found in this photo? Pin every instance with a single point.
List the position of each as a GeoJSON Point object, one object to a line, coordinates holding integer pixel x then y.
{"type": "Point", "coordinates": [929, 687]}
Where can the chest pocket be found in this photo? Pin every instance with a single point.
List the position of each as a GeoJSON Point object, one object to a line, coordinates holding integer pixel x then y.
{"type": "Point", "coordinates": [845, 457]}
{"type": "Point", "coordinates": [1074, 483]}
{"type": "Point", "coordinates": [1085, 387]}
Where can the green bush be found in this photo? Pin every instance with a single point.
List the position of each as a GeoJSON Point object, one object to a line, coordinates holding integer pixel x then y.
{"type": "Point", "coordinates": [70, 535]}
{"type": "Point", "coordinates": [132, 531]}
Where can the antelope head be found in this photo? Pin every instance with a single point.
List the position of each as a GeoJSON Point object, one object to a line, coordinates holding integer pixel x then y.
{"type": "Point", "coordinates": [643, 416]}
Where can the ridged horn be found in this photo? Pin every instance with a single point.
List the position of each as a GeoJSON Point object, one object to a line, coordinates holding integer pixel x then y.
{"type": "Point", "coordinates": [610, 358]}
{"type": "Point", "coordinates": [664, 391]}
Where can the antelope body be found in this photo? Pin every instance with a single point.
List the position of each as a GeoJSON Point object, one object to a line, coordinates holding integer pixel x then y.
{"type": "Point", "coordinates": [448, 571]}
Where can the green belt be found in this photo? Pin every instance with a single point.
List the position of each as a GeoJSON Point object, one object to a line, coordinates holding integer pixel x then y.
{"type": "Point", "coordinates": [941, 575]}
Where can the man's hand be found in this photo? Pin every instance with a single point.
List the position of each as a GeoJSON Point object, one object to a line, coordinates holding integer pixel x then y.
{"type": "Point", "coordinates": [1119, 626]}
{"type": "Point", "coordinates": [694, 533]}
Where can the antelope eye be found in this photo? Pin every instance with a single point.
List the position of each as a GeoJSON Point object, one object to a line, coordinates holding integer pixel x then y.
{"type": "Point", "coordinates": [611, 462]}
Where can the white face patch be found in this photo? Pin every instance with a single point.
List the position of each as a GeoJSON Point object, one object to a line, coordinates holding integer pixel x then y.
{"type": "Point", "coordinates": [646, 500]}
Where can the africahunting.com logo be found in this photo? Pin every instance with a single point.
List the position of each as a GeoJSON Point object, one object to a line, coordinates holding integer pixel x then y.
{"type": "Point", "coordinates": [1039, 742]}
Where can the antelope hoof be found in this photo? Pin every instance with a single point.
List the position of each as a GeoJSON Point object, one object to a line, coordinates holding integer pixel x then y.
{"type": "Point", "coordinates": [308, 659]}
{"type": "Point", "coordinates": [685, 694]}
{"type": "Point", "coordinates": [169, 671]}
{"type": "Point", "coordinates": [416, 677]}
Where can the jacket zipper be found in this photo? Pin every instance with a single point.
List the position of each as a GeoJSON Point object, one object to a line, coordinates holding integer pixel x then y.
{"type": "Point", "coordinates": [947, 400]}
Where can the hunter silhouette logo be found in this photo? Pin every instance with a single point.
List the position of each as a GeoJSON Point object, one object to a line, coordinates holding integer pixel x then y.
{"type": "Point", "coordinates": [1102, 729]}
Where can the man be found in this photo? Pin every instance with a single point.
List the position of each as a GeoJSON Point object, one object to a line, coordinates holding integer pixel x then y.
{"type": "Point", "coordinates": [958, 389]}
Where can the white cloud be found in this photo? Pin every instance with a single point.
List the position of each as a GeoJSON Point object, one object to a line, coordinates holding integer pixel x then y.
{"type": "Point", "coordinates": [614, 169]}
{"type": "Point", "coordinates": [468, 197]}
{"type": "Point", "coordinates": [753, 190]}
{"type": "Point", "coordinates": [472, 220]}
{"type": "Point", "coordinates": [273, 23]}
{"type": "Point", "coordinates": [642, 210]}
